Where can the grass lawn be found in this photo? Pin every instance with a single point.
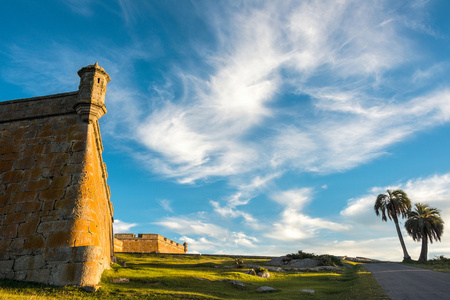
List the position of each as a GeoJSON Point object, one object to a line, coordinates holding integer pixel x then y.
{"type": "Point", "coordinates": [199, 277]}
{"type": "Point", "coordinates": [442, 265]}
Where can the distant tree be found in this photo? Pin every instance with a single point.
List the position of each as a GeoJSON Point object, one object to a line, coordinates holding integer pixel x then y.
{"type": "Point", "coordinates": [391, 205]}
{"type": "Point", "coordinates": [424, 223]}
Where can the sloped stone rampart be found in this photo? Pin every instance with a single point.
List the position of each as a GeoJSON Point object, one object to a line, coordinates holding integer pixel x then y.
{"type": "Point", "coordinates": [55, 212]}
{"type": "Point", "coordinates": [146, 243]}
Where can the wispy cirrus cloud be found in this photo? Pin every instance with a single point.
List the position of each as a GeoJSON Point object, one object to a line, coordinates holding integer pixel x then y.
{"type": "Point", "coordinates": [294, 223]}
{"type": "Point", "coordinates": [166, 205]}
{"type": "Point", "coordinates": [207, 237]}
{"type": "Point", "coordinates": [232, 125]}
{"type": "Point", "coordinates": [121, 226]}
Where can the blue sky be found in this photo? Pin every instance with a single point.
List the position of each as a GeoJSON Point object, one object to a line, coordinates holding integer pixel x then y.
{"type": "Point", "coordinates": [254, 127]}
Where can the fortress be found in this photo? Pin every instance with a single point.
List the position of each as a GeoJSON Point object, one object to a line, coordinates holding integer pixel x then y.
{"type": "Point", "coordinates": [146, 243]}
{"type": "Point", "coordinates": [55, 210]}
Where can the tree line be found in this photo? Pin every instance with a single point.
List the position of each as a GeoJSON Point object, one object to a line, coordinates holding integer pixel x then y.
{"type": "Point", "coordinates": [424, 223]}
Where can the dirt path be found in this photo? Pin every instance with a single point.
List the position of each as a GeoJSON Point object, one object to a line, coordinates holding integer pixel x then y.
{"type": "Point", "coordinates": [405, 282]}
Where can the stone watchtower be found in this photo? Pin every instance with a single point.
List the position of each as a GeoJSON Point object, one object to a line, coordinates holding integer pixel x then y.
{"type": "Point", "coordinates": [55, 210]}
{"type": "Point", "coordinates": [91, 93]}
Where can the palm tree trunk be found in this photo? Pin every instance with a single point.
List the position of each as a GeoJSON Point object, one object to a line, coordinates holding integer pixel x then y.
{"type": "Point", "coordinates": [424, 252]}
{"type": "Point", "coordinates": [400, 237]}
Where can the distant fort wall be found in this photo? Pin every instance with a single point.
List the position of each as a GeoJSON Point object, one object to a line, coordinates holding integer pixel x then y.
{"type": "Point", "coordinates": [55, 209]}
{"type": "Point", "coordinates": [146, 243]}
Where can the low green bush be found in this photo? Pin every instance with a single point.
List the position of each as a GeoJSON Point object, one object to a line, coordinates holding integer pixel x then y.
{"type": "Point", "coordinates": [324, 259]}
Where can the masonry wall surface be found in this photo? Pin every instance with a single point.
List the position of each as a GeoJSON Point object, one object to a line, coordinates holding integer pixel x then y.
{"type": "Point", "coordinates": [55, 212]}
{"type": "Point", "coordinates": [146, 243]}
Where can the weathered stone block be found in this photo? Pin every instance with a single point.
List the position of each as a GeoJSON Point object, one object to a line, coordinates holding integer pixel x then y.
{"type": "Point", "coordinates": [29, 227]}
{"type": "Point", "coordinates": [14, 218]}
{"type": "Point", "coordinates": [16, 244]}
{"type": "Point", "coordinates": [79, 238]}
{"type": "Point", "coordinates": [55, 159]}
{"type": "Point", "coordinates": [24, 197]}
{"type": "Point", "coordinates": [37, 274]}
{"type": "Point", "coordinates": [87, 253]}
{"type": "Point", "coordinates": [59, 239]}
{"type": "Point", "coordinates": [34, 150]}
{"type": "Point", "coordinates": [32, 174]}
{"type": "Point", "coordinates": [59, 254]}
{"type": "Point", "coordinates": [31, 206]}
{"type": "Point", "coordinates": [69, 273]}
{"type": "Point", "coordinates": [61, 181]}
{"type": "Point", "coordinates": [20, 275]}
{"type": "Point", "coordinates": [4, 199]}
{"type": "Point", "coordinates": [34, 242]}
{"type": "Point", "coordinates": [4, 255]}
{"type": "Point", "coordinates": [53, 226]}
{"type": "Point", "coordinates": [78, 146]}
{"type": "Point", "coordinates": [10, 156]}
{"type": "Point", "coordinates": [5, 150]}
{"type": "Point", "coordinates": [50, 172]}
{"type": "Point", "coordinates": [7, 209]}
{"type": "Point", "coordinates": [48, 205]}
{"type": "Point", "coordinates": [62, 147]}
{"type": "Point", "coordinates": [5, 166]}
{"type": "Point", "coordinates": [4, 244]}
{"type": "Point", "coordinates": [37, 185]}
{"type": "Point", "coordinates": [51, 194]}
{"type": "Point", "coordinates": [11, 176]}
{"type": "Point", "coordinates": [77, 158]}
{"type": "Point", "coordinates": [71, 169]}
{"type": "Point", "coordinates": [29, 262]}
{"type": "Point", "coordinates": [24, 164]}
{"type": "Point", "coordinates": [13, 188]}
{"type": "Point", "coordinates": [73, 191]}
{"type": "Point", "coordinates": [10, 231]}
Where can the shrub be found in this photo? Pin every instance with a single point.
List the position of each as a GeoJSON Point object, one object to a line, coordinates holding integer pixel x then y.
{"type": "Point", "coordinates": [261, 270]}
{"type": "Point", "coordinates": [301, 255]}
{"type": "Point", "coordinates": [239, 262]}
{"type": "Point", "coordinates": [324, 259]}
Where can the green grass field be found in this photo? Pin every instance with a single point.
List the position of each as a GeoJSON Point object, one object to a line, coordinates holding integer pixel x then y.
{"type": "Point", "coordinates": [198, 277]}
{"type": "Point", "coordinates": [440, 264]}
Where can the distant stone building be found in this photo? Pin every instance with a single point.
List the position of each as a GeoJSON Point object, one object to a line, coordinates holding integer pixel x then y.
{"type": "Point", "coordinates": [55, 210]}
{"type": "Point", "coordinates": [146, 243]}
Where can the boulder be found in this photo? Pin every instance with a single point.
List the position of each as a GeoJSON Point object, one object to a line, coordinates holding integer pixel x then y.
{"type": "Point", "coordinates": [329, 268]}
{"type": "Point", "coordinates": [120, 280]}
{"type": "Point", "coordinates": [278, 261]}
{"type": "Point", "coordinates": [265, 274]}
{"type": "Point", "coordinates": [234, 282]}
{"type": "Point", "coordinates": [303, 263]}
{"type": "Point", "coordinates": [90, 288]}
{"type": "Point", "coordinates": [274, 269]}
{"type": "Point", "coordinates": [266, 289]}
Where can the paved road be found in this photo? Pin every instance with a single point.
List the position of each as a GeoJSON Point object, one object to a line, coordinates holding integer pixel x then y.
{"type": "Point", "coordinates": [405, 282]}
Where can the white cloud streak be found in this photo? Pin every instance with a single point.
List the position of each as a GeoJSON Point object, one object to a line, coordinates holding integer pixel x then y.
{"type": "Point", "coordinates": [208, 237]}
{"type": "Point", "coordinates": [266, 52]}
{"type": "Point", "coordinates": [120, 226]}
{"type": "Point", "coordinates": [294, 224]}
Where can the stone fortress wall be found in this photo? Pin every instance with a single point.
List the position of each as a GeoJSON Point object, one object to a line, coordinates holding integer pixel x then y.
{"type": "Point", "coordinates": [146, 243]}
{"type": "Point", "coordinates": [55, 210]}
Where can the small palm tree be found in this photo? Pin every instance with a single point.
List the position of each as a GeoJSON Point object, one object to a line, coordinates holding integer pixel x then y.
{"type": "Point", "coordinates": [424, 223]}
{"type": "Point", "coordinates": [391, 205]}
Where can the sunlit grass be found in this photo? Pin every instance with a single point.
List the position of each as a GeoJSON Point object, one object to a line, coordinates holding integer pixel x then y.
{"type": "Point", "coordinates": [199, 277]}
{"type": "Point", "coordinates": [430, 265]}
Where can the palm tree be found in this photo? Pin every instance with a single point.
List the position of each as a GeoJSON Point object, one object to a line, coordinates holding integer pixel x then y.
{"type": "Point", "coordinates": [424, 223]}
{"type": "Point", "coordinates": [391, 205]}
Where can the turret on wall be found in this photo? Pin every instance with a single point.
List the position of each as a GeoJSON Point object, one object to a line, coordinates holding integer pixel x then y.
{"type": "Point", "coordinates": [55, 209]}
